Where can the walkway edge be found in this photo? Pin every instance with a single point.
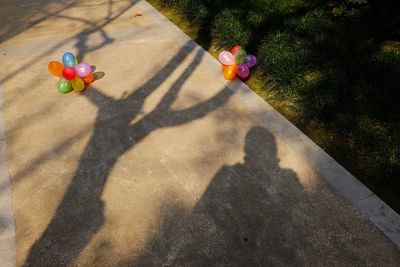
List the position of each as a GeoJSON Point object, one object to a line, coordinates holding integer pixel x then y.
{"type": "Point", "coordinates": [370, 205]}
{"type": "Point", "coordinates": [7, 227]}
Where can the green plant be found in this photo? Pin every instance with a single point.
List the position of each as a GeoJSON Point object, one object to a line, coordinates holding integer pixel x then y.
{"type": "Point", "coordinates": [350, 8]}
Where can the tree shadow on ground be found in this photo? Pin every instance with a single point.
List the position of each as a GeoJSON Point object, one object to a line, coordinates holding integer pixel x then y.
{"type": "Point", "coordinates": [82, 45]}
{"type": "Point", "coordinates": [258, 214]}
{"type": "Point", "coordinates": [26, 15]}
{"type": "Point", "coordinates": [81, 212]}
{"type": "Point", "coordinates": [37, 12]}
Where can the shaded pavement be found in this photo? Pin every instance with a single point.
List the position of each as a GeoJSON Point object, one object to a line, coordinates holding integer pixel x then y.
{"type": "Point", "coordinates": [156, 163]}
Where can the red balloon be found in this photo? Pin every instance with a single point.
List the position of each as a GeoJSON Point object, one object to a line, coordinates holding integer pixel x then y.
{"type": "Point", "coordinates": [236, 48]}
{"type": "Point", "coordinates": [69, 73]}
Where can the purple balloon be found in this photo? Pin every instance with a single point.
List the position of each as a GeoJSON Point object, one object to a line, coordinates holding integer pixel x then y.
{"type": "Point", "coordinates": [251, 61]}
{"type": "Point", "coordinates": [243, 71]}
{"type": "Point", "coordinates": [83, 69]}
{"type": "Point", "coordinates": [226, 58]}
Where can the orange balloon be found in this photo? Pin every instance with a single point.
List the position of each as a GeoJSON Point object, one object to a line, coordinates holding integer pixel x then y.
{"type": "Point", "coordinates": [88, 79]}
{"type": "Point", "coordinates": [229, 71]}
{"type": "Point", "coordinates": [56, 68]}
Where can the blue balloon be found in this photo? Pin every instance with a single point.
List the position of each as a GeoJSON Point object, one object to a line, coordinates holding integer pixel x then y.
{"type": "Point", "coordinates": [69, 60]}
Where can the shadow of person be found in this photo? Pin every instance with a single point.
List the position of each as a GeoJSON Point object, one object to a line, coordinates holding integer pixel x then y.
{"type": "Point", "coordinates": [244, 218]}
{"type": "Point", "coordinates": [81, 212]}
{"type": "Point", "coordinates": [258, 214]}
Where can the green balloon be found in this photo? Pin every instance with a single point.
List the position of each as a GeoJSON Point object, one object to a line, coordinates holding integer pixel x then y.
{"type": "Point", "coordinates": [64, 85]}
{"type": "Point", "coordinates": [240, 56]}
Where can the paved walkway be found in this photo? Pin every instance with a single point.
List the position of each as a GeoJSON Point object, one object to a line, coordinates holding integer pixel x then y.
{"type": "Point", "coordinates": [157, 163]}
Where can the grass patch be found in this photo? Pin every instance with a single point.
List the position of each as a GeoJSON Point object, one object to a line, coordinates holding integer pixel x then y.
{"type": "Point", "coordinates": [330, 67]}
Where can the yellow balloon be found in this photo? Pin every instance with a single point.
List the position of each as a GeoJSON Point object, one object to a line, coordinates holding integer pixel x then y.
{"type": "Point", "coordinates": [76, 62]}
{"type": "Point", "coordinates": [78, 84]}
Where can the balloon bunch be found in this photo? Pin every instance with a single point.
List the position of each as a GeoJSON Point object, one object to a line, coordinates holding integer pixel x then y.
{"type": "Point", "coordinates": [237, 62]}
{"type": "Point", "coordinates": [72, 74]}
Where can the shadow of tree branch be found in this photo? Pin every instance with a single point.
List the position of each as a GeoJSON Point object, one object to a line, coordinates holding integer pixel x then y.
{"type": "Point", "coordinates": [81, 38]}
{"type": "Point", "coordinates": [80, 214]}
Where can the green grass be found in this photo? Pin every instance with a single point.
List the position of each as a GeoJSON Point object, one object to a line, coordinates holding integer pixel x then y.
{"type": "Point", "coordinates": [330, 67]}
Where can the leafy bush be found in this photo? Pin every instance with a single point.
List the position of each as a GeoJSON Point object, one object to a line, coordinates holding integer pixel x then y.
{"type": "Point", "coordinates": [228, 30]}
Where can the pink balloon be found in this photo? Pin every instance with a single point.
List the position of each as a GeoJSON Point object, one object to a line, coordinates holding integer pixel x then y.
{"type": "Point", "coordinates": [226, 58]}
{"type": "Point", "coordinates": [251, 61]}
{"type": "Point", "coordinates": [243, 71]}
{"type": "Point", "coordinates": [83, 69]}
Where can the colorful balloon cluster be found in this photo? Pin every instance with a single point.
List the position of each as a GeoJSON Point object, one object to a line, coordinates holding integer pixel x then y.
{"type": "Point", "coordinates": [237, 62]}
{"type": "Point", "coordinates": [72, 74]}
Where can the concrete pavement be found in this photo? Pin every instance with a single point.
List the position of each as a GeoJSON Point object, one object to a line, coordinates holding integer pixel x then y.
{"type": "Point", "coordinates": [157, 163]}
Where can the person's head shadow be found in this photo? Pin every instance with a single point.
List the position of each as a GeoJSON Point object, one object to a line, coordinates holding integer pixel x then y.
{"type": "Point", "coordinates": [260, 149]}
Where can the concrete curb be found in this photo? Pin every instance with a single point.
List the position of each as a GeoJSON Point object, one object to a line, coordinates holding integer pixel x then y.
{"type": "Point", "coordinates": [7, 227]}
{"type": "Point", "coordinates": [370, 205]}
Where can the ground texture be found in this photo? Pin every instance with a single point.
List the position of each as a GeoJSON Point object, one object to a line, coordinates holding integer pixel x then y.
{"type": "Point", "coordinates": [156, 162]}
